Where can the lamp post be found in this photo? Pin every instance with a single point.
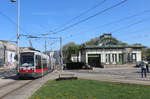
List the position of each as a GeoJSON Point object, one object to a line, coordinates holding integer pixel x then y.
{"type": "Point", "coordinates": [61, 54]}
{"type": "Point", "coordinates": [18, 31]}
{"type": "Point", "coordinates": [13, 0]}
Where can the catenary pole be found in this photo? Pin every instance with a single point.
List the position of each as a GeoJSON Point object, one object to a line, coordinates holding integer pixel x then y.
{"type": "Point", "coordinates": [61, 54]}
{"type": "Point", "coordinates": [18, 31]}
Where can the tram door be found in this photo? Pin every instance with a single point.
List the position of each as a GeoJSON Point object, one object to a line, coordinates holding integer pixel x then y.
{"type": "Point", "coordinates": [94, 60]}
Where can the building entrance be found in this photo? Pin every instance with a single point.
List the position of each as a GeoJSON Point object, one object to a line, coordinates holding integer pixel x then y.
{"type": "Point", "coordinates": [94, 60]}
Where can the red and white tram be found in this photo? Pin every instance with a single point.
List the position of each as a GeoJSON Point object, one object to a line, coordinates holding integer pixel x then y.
{"type": "Point", "coordinates": [33, 64]}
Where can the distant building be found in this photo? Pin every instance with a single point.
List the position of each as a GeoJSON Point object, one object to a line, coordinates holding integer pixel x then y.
{"type": "Point", "coordinates": [26, 48]}
{"type": "Point", "coordinates": [75, 58]}
{"type": "Point", "coordinates": [109, 51]}
{"type": "Point", "coordinates": [7, 54]}
{"type": "Point", "coordinates": [52, 58]}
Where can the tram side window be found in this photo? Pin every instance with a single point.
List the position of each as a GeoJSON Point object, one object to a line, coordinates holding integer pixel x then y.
{"type": "Point", "coordinates": [38, 62]}
{"type": "Point", "coordinates": [44, 63]}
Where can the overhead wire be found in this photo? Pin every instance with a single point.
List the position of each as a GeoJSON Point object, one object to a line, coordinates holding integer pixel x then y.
{"type": "Point", "coordinates": [92, 16]}
{"type": "Point", "coordinates": [74, 18]}
{"type": "Point", "coordinates": [136, 31]}
{"type": "Point", "coordinates": [81, 14]}
{"type": "Point", "coordinates": [8, 18]}
{"type": "Point", "coordinates": [125, 18]}
{"type": "Point", "coordinates": [130, 25]}
{"type": "Point", "coordinates": [38, 42]}
{"type": "Point", "coordinates": [14, 23]}
{"type": "Point", "coordinates": [72, 25]}
{"type": "Point", "coordinates": [81, 21]}
{"type": "Point", "coordinates": [11, 20]}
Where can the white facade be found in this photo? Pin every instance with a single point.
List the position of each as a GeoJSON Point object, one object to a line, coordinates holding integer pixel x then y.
{"type": "Point", "coordinates": [109, 50]}
{"type": "Point", "coordinates": [100, 56]}
{"type": "Point", "coordinates": [104, 54]}
{"type": "Point", "coordinates": [8, 52]}
{"type": "Point", "coordinates": [75, 58]}
{"type": "Point", "coordinates": [10, 58]}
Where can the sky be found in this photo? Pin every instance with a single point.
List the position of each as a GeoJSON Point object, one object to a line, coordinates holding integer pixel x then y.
{"type": "Point", "coordinates": [49, 16]}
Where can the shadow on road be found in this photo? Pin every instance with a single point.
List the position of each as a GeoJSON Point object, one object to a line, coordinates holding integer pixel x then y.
{"type": "Point", "coordinates": [15, 77]}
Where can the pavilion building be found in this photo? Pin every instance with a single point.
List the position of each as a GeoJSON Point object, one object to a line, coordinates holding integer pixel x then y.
{"type": "Point", "coordinates": [109, 51]}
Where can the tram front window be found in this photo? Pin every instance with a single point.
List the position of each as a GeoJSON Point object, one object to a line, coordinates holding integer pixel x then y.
{"type": "Point", "coordinates": [27, 59]}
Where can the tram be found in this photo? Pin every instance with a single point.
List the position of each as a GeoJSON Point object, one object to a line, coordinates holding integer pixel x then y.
{"type": "Point", "coordinates": [33, 64]}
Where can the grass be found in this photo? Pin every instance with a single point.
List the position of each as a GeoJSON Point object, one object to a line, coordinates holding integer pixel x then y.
{"type": "Point", "coordinates": [89, 89]}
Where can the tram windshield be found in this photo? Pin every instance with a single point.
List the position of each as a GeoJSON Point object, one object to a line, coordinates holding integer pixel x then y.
{"type": "Point", "coordinates": [27, 59]}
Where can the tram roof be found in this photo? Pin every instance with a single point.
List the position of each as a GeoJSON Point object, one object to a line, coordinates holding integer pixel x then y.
{"type": "Point", "coordinates": [35, 51]}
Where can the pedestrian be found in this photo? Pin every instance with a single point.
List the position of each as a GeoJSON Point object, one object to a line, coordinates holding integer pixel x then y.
{"type": "Point", "coordinates": [147, 67]}
{"type": "Point", "coordinates": [143, 68]}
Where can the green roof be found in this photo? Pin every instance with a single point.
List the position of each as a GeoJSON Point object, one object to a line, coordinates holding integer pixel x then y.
{"type": "Point", "coordinates": [113, 46]}
{"type": "Point", "coordinates": [107, 41]}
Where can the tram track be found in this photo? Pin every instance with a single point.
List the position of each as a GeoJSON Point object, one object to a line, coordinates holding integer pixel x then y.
{"type": "Point", "coordinates": [3, 86]}
{"type": "Point", "coordinates": [11, 87]}
{"type": "Point", "coordinates": [21, 89]}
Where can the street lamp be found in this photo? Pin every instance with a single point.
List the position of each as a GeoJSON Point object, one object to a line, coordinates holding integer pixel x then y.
{"type": "Point", "coordinates": [18, 30]}
{"type": "Point", "coordinates": [13, 0]}
{"type": "Point", "coordinates": [61, 54]}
